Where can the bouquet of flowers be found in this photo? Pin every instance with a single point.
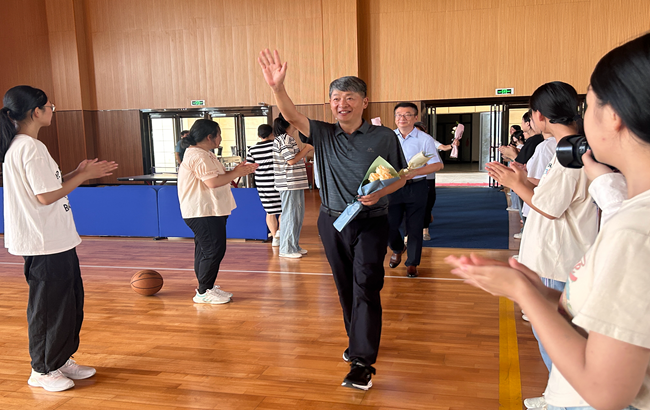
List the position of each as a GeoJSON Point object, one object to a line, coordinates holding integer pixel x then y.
{"type": "Point", "coordinates": [458, 134]}
{"type": "Point", "coordinates": [380, 174]}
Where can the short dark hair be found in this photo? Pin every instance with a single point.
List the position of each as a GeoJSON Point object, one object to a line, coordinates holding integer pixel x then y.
{"type": "Point", "coordinates": [406, 105]}
{"type": "Point", "coordinates": [264, 130]}
{"type": "Point", "coordinates": [621, 79]}
{"type": "Point", "coordinates": [526, 117]}
{"type": "Point", "coordinates": [349, 83]}
{"type": "Point", "coordinates": [420, 125]}
{"type": "Point", "coordinates": [185, 132]}
{"type": "Point", "coordinates": [515, 127]}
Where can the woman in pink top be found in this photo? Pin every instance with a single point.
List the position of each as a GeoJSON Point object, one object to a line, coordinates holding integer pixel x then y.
{"type": "Point", "coordinates": [206, 201]}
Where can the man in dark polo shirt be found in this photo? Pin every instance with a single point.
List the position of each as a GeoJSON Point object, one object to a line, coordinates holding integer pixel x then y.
{"type": "Point", "coordinates": [343, 153]}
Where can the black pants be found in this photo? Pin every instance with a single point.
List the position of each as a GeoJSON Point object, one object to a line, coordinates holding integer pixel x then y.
{"type": "Point", "coordinates": [356, 257]}
{"type": "Point", "coordinates": [209, 248]}
{"type": "Point", "coordinates": [408, 202]}
{"type": "Point", "coordinates": [431, 200]}
{"type": "Point", "coordinates": [55, 308]}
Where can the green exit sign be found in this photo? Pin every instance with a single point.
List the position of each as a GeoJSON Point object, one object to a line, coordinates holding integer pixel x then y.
{"type": "Point", "coordinates": [505, 91]}
{"type": "Point", "coordinates": [196, 103]}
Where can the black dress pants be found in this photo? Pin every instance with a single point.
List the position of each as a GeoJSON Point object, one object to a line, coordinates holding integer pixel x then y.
{"type": "Point", "coordinates": [431, 200]}
{"type": "Point", "coordinates": [356, 257]}
{"type": "Point", "coordinates": [209, 248]}
{"type": "Point", "coordinates": [54, 309]}
{"type": "Point", "coordinates": [408, 202]}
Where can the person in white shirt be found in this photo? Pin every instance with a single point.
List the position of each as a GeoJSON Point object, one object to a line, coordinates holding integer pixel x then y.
{"type": "Point", "coordinates": [601, 360]}
{"type": "Point", "coordinates": [40, 228]}
{"type": "Point", "coordinates": [206, 201]}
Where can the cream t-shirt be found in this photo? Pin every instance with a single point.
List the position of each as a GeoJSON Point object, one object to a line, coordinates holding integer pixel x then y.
{"type": "Point", "coordinates": [536, 165]}
{"type": "Point", "coordinates": [607, 291]}
{"type": "Point", "coordinates": [196, 198]}
{"type": "Point", "coordinates": [32, 228]}
{"type": "Point", "coordinates": [552, 247]}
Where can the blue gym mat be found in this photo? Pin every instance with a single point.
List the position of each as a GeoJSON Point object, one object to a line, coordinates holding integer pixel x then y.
{"type": "Point", "coordinates": [469, 218]}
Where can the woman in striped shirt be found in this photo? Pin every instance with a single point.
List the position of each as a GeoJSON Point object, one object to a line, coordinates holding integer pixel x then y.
{"type": "Point", "coordinates": [262, 154]}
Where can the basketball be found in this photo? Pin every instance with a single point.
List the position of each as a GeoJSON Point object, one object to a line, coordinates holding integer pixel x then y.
{"type": "Point", "coordinates": [146, 282]}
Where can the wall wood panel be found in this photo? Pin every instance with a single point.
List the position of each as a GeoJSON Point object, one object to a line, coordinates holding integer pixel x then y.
{"type": "Point", "coordinates": [162, 54]}
{"type": "Point", "coordinates": [71, 139]}
{"type": "Point", "coordinates": [419, 49]}
{"type": "Point", "coordinates": [24, 48]}
{"type": "Point", "coordinates": [117, 138]}
{"type": "Point", "coordinates": [340, 31]}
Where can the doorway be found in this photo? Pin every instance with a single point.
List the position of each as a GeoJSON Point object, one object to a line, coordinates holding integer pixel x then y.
{"type": "Point", "coordinates": [161, 131]}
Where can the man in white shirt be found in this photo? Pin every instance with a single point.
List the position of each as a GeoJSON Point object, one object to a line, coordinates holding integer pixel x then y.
{"type": "Point", "coordinates": [410, 201]}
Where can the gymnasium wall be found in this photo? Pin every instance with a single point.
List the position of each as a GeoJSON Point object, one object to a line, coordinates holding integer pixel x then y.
{"type": "Point", "coordinates": [100, 61]}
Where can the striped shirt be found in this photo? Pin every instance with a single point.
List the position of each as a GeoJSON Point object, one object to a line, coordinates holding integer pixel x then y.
{"type": "Point", "coordinates": [262, 154]}
{"type": "Point", "coordinates": [288, 177]}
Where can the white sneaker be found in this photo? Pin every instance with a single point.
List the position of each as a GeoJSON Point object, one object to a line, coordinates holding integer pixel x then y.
{"type": "Point", "coordinates": [517, 235]}
{"type": "Point", "coordinates": [275, 242]}
{"type": "Point", "coordinates": [294, 255]}
{"type": "Point", "coordinates": [52, 381]}
{"type": "Point", "coordinates": [217, 289]}
{"type": "Point", "coordinates": [302, 251]}
{"type": "Point", "coordinates": [425, 234]}
{"type": "Point", "coordinates": [73, 371]}
{"type": "Point", "coordinates": [535, 402]}
{"type": "Point", "coordinates": [210, 297]}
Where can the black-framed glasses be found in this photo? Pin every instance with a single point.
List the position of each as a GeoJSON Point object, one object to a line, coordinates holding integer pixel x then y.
{"type": "Point", "coordinates": [405, 116]}
{"type": "Point", "coordinates": [52, 106]}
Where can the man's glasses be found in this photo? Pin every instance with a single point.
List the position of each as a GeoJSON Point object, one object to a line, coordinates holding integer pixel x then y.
{"type": "Point", "coordinates": [405, 116]}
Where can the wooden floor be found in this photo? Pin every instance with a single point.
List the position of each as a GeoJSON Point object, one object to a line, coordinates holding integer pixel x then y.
{"type": "Point", "coordinates": [277, 345]}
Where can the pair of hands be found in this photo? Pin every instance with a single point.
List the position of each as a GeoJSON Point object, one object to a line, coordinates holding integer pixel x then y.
{"type": "Point", "coordinates": [94, 168]}
{"type": "Point", "coordinates": [244, 168]}
{"type": "Point", "coordinates": [509, 279]}
{"type": "Point", "coordinates": [516, 173]}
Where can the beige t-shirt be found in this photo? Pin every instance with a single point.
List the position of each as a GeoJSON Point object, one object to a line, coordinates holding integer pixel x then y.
{"type": "Point", "coordinates": [608, 290]}
{"type": "Point", "coordinates": [32, 228]}
{"type": "Point", "coordinates": [552, 247]}
{"type": "Point", "coordinates": [196, 198]}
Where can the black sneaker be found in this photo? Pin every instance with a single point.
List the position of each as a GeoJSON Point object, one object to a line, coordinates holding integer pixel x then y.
{"type": "Point", "coordinates": [346, 355]}
{"type": "Point", "coordinates": [359, 376]}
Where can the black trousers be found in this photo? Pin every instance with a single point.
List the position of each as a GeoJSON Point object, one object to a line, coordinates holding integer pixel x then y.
{"type": "Point", "coordinates": [431, 200]}
{"type": "Point", "coordinates": [356, 256]}
{"type": "Point", "coordinates": [408, 202]}
{"type": "Point", "coordinates": [209, 248]}
{"type": "Point", "coordinates": [54, 309]}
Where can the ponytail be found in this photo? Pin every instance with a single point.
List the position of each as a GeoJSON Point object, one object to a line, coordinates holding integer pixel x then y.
{"type": "Point", "coordinates": [18, 102]}
{"type": "Point", "coordinates": [7, 132]}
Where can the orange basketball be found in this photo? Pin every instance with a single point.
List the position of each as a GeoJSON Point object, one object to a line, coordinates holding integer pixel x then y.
{"type": "Point", "coordinates": [146, 282]}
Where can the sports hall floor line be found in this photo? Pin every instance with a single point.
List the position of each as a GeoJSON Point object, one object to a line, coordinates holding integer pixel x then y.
{"type": "Point", "coordinates": [238, 270]}
{"type": "Point", "coordinates": [510, 397]}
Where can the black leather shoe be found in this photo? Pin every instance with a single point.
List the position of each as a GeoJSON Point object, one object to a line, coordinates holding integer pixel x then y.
{"type": "Point", "coordinates": [396, 259]}
{"type": "Point", "coordinates": [412, 271]}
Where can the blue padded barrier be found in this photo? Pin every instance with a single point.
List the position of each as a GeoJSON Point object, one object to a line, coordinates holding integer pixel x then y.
{"type": "Point", "coordinates": [247, 221]}
{"type": "Point", "coordinates": [115, 211]}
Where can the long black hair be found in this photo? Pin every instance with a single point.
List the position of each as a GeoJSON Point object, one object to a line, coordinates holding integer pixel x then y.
{"type": "Point", "coordinates": [558, 102]}
{"type": "Point", "coordinates": [622, 80]}
{"type": "Point", "coordinates": [280, 125]}
{"type": "Point", "coordinates": [18, 102]}
{"type": "Point", "coordinates": [200, 130]}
